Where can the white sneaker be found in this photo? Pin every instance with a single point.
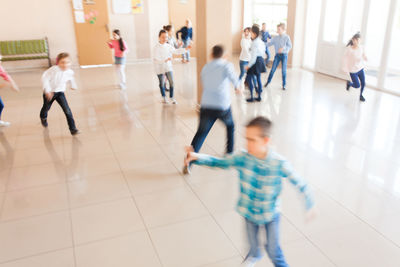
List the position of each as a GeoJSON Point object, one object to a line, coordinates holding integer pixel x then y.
{"type": "Point", "coordinates": [250, 262]}
{"type": "Point", "coordinates": [165, 100]}
{"type": "Point", "coordinates": [4, 124]}
{"type": "Point", "coordinates": [122, 86]}
{"type": "Point", "coordinates": [173, 101]}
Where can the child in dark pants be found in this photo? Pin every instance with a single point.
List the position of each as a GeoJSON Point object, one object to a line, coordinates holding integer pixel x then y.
{"type": "Point", "coordinates": [54, 85]}
{"type": "Point", "coordinates": [261, 173]}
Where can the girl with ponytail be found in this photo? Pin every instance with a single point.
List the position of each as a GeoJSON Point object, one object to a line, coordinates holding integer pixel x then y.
{"type": "Point", "coordinates": [120, 49]}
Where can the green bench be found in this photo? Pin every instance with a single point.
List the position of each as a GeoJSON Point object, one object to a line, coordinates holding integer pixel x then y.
{"type": "Point", "coordinates": [25, 50]}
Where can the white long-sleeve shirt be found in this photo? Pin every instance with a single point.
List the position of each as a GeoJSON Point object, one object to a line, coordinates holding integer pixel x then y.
{"type": "Point", "coordinates": [353, 59]}
{"type": "Point", "coordinates": [245, 44]}
{"type": "Point", "coordinates": [257, 49]}
{"type": "Point", "coordinates": [55, 79]}
{"type": "Point", "coordinates": [161, 53]}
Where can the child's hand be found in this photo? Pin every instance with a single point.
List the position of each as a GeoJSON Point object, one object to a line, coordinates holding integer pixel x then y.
{"type": "Point", "coordinates": [189, 47]}
{"type": "Point", "coordinates": [280, 50]}
{"type": "Point", "coordinates": [168, 59]}
{"type": "Point", "coordinates": [49, 96]}
{"type": "Point", "coordinates": [311, 214]}
{"type": "Point", "coordinates": [246, 68]}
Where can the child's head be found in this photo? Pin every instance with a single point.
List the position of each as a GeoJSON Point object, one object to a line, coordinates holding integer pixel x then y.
{"type": "Point", "coordinates": [258, 132]}
{"type": "Point", "coordinates": [255, 31]}
{"type": "Point", "coordinates": [355, 40]}
{"type": "Point", "coordinates": [264, 26]}
{"type": "Point", "coordinates": [280, 28]}
{"type": "Point", "coordinates": [217, 52]}
{"type": "Point", "coordinates": [169, 29]}
{"type": "Point", "coordinates": [116, 34]}
{"type": "Point", "coordinates": [63, 61]}
{"type": "Point", "coordinates": [246, 32]}
{"type": "Point", "coordinates": [163, 36]}
{"type": "Point", "coordinates": [188, 23]}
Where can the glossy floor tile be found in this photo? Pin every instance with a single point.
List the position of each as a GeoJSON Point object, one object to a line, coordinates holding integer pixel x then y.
{"type": "Point", "coordinates": [114, 195]}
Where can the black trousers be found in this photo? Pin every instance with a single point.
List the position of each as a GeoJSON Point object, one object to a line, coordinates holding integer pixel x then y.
{"type": "Point", "coordinates": [62, 101]}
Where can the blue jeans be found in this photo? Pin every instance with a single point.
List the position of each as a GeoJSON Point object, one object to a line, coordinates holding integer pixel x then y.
{"type": "Point", "coordinates": [278, 58]}
{"type": "Point", "coordinates": [62, 101]}
{"type": "Point", "coordinates": [186, 55]}
{"type": "Point", "coordinates": [355, 77]}
{"type": "Point", "coordinates": [207, 120]}
{"type": "Point", "coordinates": [254, 81]}
{"type": "Point", "coordinates": [242, 64]}
{"type": "Point", "coordinates": [268, 55]}
{"type": "Point", "coordinates": [1, 106]}
{"type": "Point", "coordinates": [273, 247]}
{"type": "Point", "coordinates": [161, 80]}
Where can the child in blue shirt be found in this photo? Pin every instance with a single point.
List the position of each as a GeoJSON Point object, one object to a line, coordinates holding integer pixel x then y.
{"type": "Point", "coordinates": [264, 37]}
{"type": "Point", "coordinates": [261, 174]}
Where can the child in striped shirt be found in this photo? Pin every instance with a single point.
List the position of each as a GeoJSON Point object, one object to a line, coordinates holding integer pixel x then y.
{"type": "Point", "coordinates": [261, 174]}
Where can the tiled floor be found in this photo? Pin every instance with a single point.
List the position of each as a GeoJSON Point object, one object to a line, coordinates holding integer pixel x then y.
{"type": "Point", "coordinates": [114, 196]}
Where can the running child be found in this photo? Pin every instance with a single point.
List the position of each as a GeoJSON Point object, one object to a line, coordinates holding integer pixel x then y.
{"type": "Point", "coordinates": [120, 50]}
{"type": "Point", "coordinates": [54, 82]}
{"type": "Point", "coordinates": [282, 46]}
{"type": "Point", "coordinates": [5, 81]}
{"type": "Point", "coordinates": [261, 174]}
{"type": "Point", "coordinates": [162, 55]}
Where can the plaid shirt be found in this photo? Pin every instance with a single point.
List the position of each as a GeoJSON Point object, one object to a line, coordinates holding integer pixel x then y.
{"type": "Point", "coordinates": [260, 183]}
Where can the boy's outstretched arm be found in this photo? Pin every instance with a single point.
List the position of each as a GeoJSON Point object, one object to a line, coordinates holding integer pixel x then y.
{"type": "Point", "coordinates": [207, 160]}
{"type": "Point", "coordinates": [300, 184]}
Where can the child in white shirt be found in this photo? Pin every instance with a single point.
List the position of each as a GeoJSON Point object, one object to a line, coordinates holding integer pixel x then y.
{"type": "Point", "coordinates": [54, 85]}
{"type": "Point", "coordinates": [162, 55]}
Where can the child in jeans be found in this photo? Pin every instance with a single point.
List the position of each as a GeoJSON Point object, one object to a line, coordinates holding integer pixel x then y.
{"type": "Point", "coordinates": [120, 51]}
{"type": "Point", "coordinates": [261, 174]}
{"type": "Point", "coordinates": [5, 81]}
{"type": "Point", "coordinates": [54, 85]}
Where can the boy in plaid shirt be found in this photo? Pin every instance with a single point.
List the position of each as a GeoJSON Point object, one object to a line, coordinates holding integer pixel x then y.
{"type": "Point", "coordinates": [261, 174]}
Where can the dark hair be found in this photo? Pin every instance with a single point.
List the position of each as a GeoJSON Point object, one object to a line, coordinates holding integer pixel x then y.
{"type": "Point", "coordinates": [262, 123]}
{"type": "Point", "coordinates": [61, 56]}
{"type": "Point", "coordinates": [355, 36]}
{"type": "Point", "coordinates": [121, 42]}
{"type": "Point", "coordinates": [247, 29]}
{"type": "Point", "coordinates": [167, 28]}
{"type": "Point", "coordinates": [161, 32]}
{"type": "Point", "coordinates": [217, 51]}
{"type": "Point", "coordinates": [255, 29]}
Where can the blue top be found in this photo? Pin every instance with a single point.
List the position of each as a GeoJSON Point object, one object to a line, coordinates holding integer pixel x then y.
{"type": "Point", "coordinates": [265, 36]}
{"type": "Point", "coordinates": [281, 41]}
{"type": "Point", "coordinates": [215, 77]}
{"type": "Point", "coordinates": [257, 49]}
{"type": "Point", "coordinates": [186, 33]}
{"type": "Point", "coordinates": [261, 182]}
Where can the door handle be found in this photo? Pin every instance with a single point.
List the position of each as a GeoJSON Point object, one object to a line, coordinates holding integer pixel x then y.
{"type": "Point", "coordinates": [107, 27]}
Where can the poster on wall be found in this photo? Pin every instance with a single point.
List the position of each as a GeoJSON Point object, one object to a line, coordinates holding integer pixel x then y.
{"type": "Point", "coordinates": [77, 4]}
{"type": "Point", "coordinates": [122, 6]}
{"type": "Point", "coordinates": [137, 6]}
{"type": "Point", "coordinates": [79, 16]}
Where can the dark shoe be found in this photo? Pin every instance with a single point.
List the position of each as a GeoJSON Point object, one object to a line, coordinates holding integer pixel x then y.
{"type": "Point", "coordinates": [266, 85]}
{"type": "Point", "coordinates": [186, 170]}
{"type": "Point", "coordinates": [347, 85]}
{"type": "Point", "coordinates": [362, 99]}
{"type": "Point", "coordinates": [258, 99]}
{"type": "Point", "coordinates": [250, 100]}
{"type": "Point", "coordinates": [283, 88]}
{"type": "Point", "coordinates": [75, 132]}
{"type": "Point", "coordinates": [44, 122]}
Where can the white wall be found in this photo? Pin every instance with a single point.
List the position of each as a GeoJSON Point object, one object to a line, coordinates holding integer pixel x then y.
{"type": "Point", "coordinates": [28, 19]}
{"type": "Point", "coordinates": [158, 17]}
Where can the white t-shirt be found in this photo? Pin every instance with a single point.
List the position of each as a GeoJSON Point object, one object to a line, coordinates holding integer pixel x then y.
{"type": "Point", "coordinates": [245, 44]}
{"type": "Point", "coordinates": [161, 53]}
{"type": "Point", "coordinates": [353, 60]}
{"type": "Point", "coordinates": [55, 79]}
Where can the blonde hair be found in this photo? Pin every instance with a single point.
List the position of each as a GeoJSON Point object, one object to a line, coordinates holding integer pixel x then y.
{"type": "Point", "coordinates": [282, 25]}
{"type": "Point", "coordinates": [189, 22]}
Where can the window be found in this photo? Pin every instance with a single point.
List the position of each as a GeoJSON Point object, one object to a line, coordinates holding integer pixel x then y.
{"type": "Point", "coordinates": [333, 9]}
{"type": "Point", "coordinates": [311, 33]}
{"type": "Point", "coordinates": [353, 19]}
{"type": "Point", "coordinates": [392, 79]}
{"type": "Point", "coordinates": [272, 12]}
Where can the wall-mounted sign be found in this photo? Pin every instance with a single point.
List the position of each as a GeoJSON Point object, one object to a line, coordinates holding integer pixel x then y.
{"type": "Point", "coordinates": [137, 6]}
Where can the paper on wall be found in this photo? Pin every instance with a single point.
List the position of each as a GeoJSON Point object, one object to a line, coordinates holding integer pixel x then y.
{"type": "Point", "coordinates": [121, 6]}
{"type": "Point", "coordinates": [79, 16]}
{"type": "Point", "coordinates": [77, 4]}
